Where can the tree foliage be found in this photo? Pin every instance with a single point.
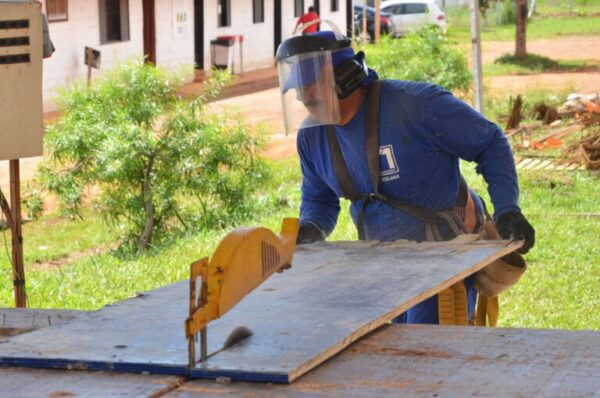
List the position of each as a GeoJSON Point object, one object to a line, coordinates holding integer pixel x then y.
{"type": "Point", "coordinates": [154, 161]}
{"type": "Point", "coordinates": [425, 55]}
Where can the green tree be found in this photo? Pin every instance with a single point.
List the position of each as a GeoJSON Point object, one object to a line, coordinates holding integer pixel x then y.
{"type": "Point", "coordinates": [155, 161]}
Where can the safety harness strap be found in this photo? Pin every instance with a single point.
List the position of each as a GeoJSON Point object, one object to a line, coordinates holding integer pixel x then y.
{"type": "Point", "coordinates": [372, 131]}
{"type": "Point", "coordinates": [432, 219]}
{"type": "Point", "coordinates": [339, 167]}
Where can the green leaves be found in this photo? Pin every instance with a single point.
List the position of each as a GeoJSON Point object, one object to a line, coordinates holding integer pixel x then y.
{"type": "Point", "coordinates": [425, 55]}
{"type": "Point", "coordinates": [157, 163]}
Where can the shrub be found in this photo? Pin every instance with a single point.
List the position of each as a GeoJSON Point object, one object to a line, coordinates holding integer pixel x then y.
{"type": "Point", "coordinates": [425, 55]}
{"type": "Point", "coordinates": [155, 161]}
{"type": "Point", "coordinates": [532, 61]}
{"type": "Point", "coordinates": [32, 201]}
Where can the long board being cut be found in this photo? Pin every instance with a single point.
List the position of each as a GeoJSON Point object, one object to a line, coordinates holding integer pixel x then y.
{"type": "Point", "coordinates": [334, 294]}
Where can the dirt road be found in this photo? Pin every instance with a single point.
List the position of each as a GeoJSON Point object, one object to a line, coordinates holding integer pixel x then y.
{"type": "Point", "coordinates": [559, 48]}
{"type": "Point", "coordinates": [583, 83]}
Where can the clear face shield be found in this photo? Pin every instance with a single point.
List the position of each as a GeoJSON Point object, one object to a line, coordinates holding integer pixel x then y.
{"type": "Point", "coordinates": [308, 94]}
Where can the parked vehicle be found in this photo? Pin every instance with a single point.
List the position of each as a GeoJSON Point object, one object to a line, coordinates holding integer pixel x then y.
{"type": "Point", "coordinates": [385, 22]}
{"type": "Point", "coordinates": [410, 15]}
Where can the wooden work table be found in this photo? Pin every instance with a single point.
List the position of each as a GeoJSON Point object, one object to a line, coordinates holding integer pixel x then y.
{"type": "Point", "coordinates": [394, 361]}
{"type": "Point", "coordinates": [321, 326]}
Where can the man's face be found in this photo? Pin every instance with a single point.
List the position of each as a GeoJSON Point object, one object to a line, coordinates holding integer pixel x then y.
{"type": "Point", "coordinates": [320, 97]}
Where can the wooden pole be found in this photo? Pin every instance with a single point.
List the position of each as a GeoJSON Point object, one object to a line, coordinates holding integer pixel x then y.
{"type": "Point", "coordinates": [476, 56]}
{"type": "Point", "coordinates": [241, 43]}
{"type": "Point", "coordinates": [377, 23]}
{"type": "Point", "coordinates": [89, 54]}
{"type": "Point", "coordinates": [17, 237]}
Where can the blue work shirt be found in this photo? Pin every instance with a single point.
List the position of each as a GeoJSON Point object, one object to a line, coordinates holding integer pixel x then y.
{"type": "Point", "coordinates": [424, 130]}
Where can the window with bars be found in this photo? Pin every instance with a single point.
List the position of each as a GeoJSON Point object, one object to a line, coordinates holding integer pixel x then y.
{"type": "Point", "coordinates": [224, 13]}
{"type": "Point", "coordinates": [57, 10]}
{"type": "Point", "coordinates": [114, 20]}
{"type": "Point", "coordinates": [335, 5]}
{"type": "Point", "coordinates": [298, 8]}
{"type": "Point", "coordinates": [258, 11]}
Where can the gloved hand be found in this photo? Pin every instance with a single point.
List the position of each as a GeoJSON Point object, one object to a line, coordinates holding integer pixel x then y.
{"type": "Point", "coordinates": [309, 233]}
{"type": "Point", "coordinates": [514, 225]}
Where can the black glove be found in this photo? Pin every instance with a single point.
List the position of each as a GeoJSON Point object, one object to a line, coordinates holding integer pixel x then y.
{"type": "Point", "coordinates": [514, 225]}
{"type": "Point", "coordinates": [309, 233]}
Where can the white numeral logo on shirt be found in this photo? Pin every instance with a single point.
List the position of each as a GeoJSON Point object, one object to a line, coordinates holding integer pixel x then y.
{"type": "Point", "coordinates": [388, 153]}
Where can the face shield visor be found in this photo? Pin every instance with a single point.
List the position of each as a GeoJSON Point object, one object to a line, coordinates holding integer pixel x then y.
{"type": "Point", "coordinates": [308, 94]}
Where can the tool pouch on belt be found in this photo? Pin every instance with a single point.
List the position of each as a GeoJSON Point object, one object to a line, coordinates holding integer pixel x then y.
{"type": "Point", "coordinates": [502, 273]}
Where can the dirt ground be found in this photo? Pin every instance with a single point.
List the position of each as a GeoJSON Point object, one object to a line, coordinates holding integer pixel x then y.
{"type": "Point", "coordinates": [561, 48]}
{"type": "Point", "coordinates": [582, 83]}
{"type": "Point", "coordinates": [263, 106]}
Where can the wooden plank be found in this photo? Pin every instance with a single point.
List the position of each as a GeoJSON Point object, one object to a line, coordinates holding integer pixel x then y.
{"type": "Point", "coordinates": [443, 361]}
{"type": "Point", "coordinates": [363, 284]}
{"type": "Point", "coordinates": [35, 383]}
{"type": "Point", "coordinates": [524, 162]}
{"type": "Point", "coordinates": [15, 321]}
{"type": "Point", "coordinates": [531, 165]}
{"type": "Point", "coordinates": [35, 318]}
{"type": "Point", "coordinates": [544, 164]}
{"type": "Point", "coordinates": [334, 294]}
{"type": "Point", "coordinates": [559, 133]}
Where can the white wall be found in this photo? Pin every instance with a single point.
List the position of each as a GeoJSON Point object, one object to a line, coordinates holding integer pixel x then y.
{"type": "Point", "coordinates": [83, 29]}
{"type": "Point", "coordinates": [338, 17]}
{"type": "Point", "coordinates": [258, 47]}
{"type": "Point", "coordinates": [288, 20]}
{"type": "Point", "coordinates": [258, 37]}
{"type": "Point", "coordinates": [173, 46]}
{"type": "Point", "coordinates": [174, 49]}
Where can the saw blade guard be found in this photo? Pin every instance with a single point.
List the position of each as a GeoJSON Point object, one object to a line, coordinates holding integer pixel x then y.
{"type": "Point", "coordinates": [244, 259]}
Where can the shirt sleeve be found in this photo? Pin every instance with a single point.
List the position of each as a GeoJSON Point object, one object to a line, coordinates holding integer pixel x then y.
{"type": "Point", "coordinates": [462, 131]}
{"type": "Point", "coordinates": [320, 204]}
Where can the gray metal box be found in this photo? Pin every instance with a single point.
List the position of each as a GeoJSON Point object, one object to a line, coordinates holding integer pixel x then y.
{"type": "Point", "coordinates": [21, 114]}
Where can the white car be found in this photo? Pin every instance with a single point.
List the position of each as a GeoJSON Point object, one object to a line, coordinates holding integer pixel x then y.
{"type": "Point", "coordinates": [411, 15]}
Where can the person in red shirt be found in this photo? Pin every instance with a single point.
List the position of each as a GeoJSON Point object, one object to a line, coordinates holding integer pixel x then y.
{"type": "Point", "coordinates": [311, 15]}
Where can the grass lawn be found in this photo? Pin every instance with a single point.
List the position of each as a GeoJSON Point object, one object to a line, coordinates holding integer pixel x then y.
{"type": "Point", "coordinates": [536, 29]}
{"type": "Point", "coordinates": [561, 7]}
{"type": "Point", "coordinates": [558, 289]}
{"type": "Point", "coordinates": [550, 20]}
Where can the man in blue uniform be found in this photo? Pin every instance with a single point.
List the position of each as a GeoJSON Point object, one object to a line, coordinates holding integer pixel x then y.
{"type": "Point", "coordinates": [406, 184]}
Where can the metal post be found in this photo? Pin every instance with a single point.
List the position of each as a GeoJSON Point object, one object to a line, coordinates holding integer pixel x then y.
{"type": "Point", "coordinates": [17, 237]}
{"type": "Point", "coordinates": [476, 56]}
{"type": "Point", "coordinates": [531, 9]}
{"type": "Point", "coordinates": [203, 301]}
